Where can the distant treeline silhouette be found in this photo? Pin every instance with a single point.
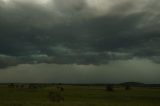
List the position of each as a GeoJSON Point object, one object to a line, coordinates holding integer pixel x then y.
{"type": "Point", "coordinates": [131, 84]}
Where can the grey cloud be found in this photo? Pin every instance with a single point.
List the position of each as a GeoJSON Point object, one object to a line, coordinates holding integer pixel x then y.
{"type": "Point", "coordinates": [6, 61]}
{"type": "Point", "coordinates": [140, 70]}
{"type": "Point", "coordinates": [79, 31]}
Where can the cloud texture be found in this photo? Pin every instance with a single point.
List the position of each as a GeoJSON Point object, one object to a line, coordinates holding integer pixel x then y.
{"type": "Point", "coordinates": [78, 31]}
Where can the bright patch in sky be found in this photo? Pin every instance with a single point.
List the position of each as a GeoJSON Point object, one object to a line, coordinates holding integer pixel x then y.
{"type": "Point", "coordinates": [34, 1]}
{"type": "Point", "coordinates": [42, 1]}
{"type": "Point", "coordinates": [6, 1]}
{"type": "Point", "coordinates": [101, 6]}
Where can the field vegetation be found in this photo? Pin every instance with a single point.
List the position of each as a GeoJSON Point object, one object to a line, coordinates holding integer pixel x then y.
{"type": "Point", "coordinates": [69, 95]}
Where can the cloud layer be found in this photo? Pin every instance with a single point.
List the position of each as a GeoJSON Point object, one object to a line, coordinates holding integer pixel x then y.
{"type": "Point", "coordinates": [138, 70]}
{"type": "Point", "coordinates": [78, 31]}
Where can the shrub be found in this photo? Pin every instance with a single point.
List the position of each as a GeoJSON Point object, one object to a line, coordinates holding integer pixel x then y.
{"type": "Point", "coordinates": [55, 96]}
{"type": "Point", "coordinates": [127, 87]}
{"type": "Point", "coordinates": [109, 88]}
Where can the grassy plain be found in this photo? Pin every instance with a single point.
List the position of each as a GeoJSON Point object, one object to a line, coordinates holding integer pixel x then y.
{"type": "Point", "coordinates": [80, 96]}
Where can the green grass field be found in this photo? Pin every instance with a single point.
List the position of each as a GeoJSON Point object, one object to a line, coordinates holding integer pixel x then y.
{"type": "Point", "coordinates": [80, 96]}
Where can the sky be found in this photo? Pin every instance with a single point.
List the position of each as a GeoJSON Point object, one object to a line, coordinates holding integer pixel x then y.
{"type": "Point", "coordinates": [80, 41]}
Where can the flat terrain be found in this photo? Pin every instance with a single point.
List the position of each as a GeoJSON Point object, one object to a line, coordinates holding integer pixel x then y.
{"type": "Point", "coordinates": [79, 96]}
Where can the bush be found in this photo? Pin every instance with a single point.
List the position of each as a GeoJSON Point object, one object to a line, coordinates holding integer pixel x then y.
{"type": "Point", "coordinates": [55, 96]}
{"type": "Point", "coordinates": [60, 89]}
{"type": "Point", "coordinates": [109, 88]}
{"type": "Point", "coordinates": [127, 87]}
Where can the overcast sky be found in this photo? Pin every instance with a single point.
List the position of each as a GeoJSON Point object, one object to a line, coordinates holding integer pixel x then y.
{"type": "Point", "coordinates": [80, 41]}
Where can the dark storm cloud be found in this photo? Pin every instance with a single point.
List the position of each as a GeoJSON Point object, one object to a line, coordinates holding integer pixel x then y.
{"type": "Point", "coordinates": [78, 31]}
{"type": "Point", "coordinates": [139, 70]}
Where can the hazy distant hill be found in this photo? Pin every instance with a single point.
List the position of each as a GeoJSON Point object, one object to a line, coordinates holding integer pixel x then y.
{"type": "Point", "coordinates": [133, 83]}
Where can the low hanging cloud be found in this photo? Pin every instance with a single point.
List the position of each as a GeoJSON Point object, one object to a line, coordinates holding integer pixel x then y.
{"type": "Point", "coordinates": [138, 70]}
{"type": "Point", "coordinates": [78, 31]}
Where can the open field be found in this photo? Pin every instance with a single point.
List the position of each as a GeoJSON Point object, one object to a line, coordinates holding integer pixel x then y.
{"type": "Point", "coordinates": [79, 96]}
